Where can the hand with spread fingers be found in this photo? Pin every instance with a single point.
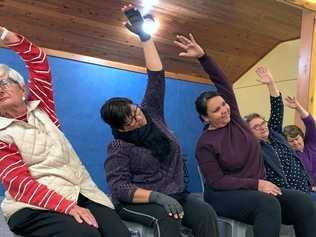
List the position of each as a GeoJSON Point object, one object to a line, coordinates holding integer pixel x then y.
{"type": "Point", "coordinates": [135, 21]}
{"type": "Point", "coordinates": [265, 76]}
{"type": "Point", "coordinates": [293, 103]}
{"type": "Point", "coordinates": [191, 47]}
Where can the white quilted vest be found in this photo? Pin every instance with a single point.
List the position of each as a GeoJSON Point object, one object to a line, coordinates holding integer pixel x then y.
{"type": "Point", "coordinates": [50, 157]}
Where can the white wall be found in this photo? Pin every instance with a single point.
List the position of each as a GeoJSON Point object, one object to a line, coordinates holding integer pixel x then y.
{"type": "Point", "coordinates": [283, 63]}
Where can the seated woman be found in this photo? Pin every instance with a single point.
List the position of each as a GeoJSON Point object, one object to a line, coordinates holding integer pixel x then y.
{"type": "Point", "coordinates": [144, 167]}
{"type": "Point", "coordinates": [283, 168]}
{"type": "Point", "coordinates": [48, 190]}
{"type": "Point", "coordinates": [229, 157]}
{"type": "Point", "coordinates": [304, 145]}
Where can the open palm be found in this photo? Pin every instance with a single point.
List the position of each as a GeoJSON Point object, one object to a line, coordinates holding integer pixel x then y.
{"type": "Point", "coordinates": [191, 47]}
{"type": "Point", "coordinates": [291, 102]}
{"type": "Point", "coordinates": [264, 74]}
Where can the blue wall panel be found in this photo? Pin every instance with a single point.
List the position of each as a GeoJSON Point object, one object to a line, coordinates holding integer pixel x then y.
{"type": "Point", "coordinates": [80, 90]}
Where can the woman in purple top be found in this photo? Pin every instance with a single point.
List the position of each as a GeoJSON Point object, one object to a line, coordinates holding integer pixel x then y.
{"type": "Point", "coordinates": [144, 167]}
{"type": "Point", "coordinates": [304, 145]}
{"type": "Point", "coordinates": [230, 159]}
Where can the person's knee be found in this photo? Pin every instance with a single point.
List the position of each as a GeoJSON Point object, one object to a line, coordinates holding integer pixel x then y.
{"type": "Point", "coordinates": [305, 205]}
{"type": "Point", "coordinates": [118, 228]}
{"type": "Point", "coordinates": [168, 227]}
{"type": "Point", "coordinates": [82, 230]}
{"type": "Point", "coordinates": [270, 206]}
{"type": "Point", "coordinates": [205, 214]}
{"type": "Point", "coordinates": [305, 201]}
{"type": "Point", "coordinates": [104, 216]}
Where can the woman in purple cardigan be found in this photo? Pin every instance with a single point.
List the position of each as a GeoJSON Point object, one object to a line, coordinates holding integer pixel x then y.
{"type": "Point", "coordinates": [230, 159]}
{"type": "Point", "coordinates": [303, 144]}
{"type": "Point", "coordinates": [144, 167]}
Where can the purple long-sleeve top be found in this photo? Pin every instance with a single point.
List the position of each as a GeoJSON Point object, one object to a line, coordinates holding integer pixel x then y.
{"type": "Point", "coordinates": [129, 167]}
{"type": "Point", "coordinates": [229, 157]}
{"type": "Point", "coordinates": [308, 155]}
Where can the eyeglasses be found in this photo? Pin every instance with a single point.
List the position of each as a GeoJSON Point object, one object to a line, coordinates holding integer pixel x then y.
{"type": "Point", "coordinates": [260, 125]}
{"type": "Point", "coordinates": [4, 83]}
{"type": "Point", "coordinates": [133, 117]}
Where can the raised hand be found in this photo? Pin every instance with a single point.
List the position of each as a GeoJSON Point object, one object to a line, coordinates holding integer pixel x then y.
{"type": "Point", "coordinates": [3, 32]}
{"type": "Point", "coordinates": [292, 102]}
{"type": "Point", "coordinates": [265, 77]}
{"type": "Point", "coordinates": [191, 47]}
{"type": "Point", "coordinates": [268, 187]}
{"type": "Point", "coordinates": [83, 215]}
{"type": "Point", "coordinates": [7, 36]}
{"type": "Point", "coordinates": [135, 21]}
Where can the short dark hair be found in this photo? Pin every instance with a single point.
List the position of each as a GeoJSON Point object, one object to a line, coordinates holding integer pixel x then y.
{"type": "Point", "coordinates": [115, 111]}
{"type": "Point", "coordinates": [201, 102]}
{"type": "Point", "coordinates": [292, 131]}
{"type": "Point", "coordinates": [249, 117]}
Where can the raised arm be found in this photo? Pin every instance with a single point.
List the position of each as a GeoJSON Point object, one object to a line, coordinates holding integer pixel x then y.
{"type": "Point", "coordinates": [135, 25]}
{"type": "Point", "coordinates": [310, 129]}
{"type": "Point", "coordinates": [292, 103]}
{"type": "Point", "coordinates": [266, 78]}
{"type": "Point", "coordinates": [309, 122]}
{"type": "Point", "coordinates": [277, 107]}
{"type": "Point", "coordinates": [40, 80]}
{"type": "Point", "coordinates": [193, 50]}
{"type": "Point", "coordinates": [14, 173]}
{"type": "Point", "coordinates": [153, 100]}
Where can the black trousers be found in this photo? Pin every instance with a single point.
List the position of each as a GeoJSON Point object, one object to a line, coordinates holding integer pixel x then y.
{"type": "Point", "coordinates": [266, 212]}
{"type": "Point", "coordinates": [42, 223]}
{"type": "Point", "coordinates": [198, 216]}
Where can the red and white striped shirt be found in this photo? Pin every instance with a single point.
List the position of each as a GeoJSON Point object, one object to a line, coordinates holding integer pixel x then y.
{"type": "Point", "coordinates": [14, 173]}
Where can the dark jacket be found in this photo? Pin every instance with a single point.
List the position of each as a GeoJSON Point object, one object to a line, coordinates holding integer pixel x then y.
{"type": "Point", "coordinates": [271, 158]}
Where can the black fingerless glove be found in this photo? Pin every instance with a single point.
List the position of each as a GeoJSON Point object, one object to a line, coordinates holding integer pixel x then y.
{"type": "Point", "coordinates": [170, 204]}
{"type": "Point", "coordinates": [135, 23]}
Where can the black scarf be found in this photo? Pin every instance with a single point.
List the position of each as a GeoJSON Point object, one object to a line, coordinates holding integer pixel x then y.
{"type": "Point", "coordinates": [148, 136]}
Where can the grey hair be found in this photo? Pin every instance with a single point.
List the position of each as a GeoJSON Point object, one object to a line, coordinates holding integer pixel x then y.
{"type": "Point", "coordinates": [8, 72]}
